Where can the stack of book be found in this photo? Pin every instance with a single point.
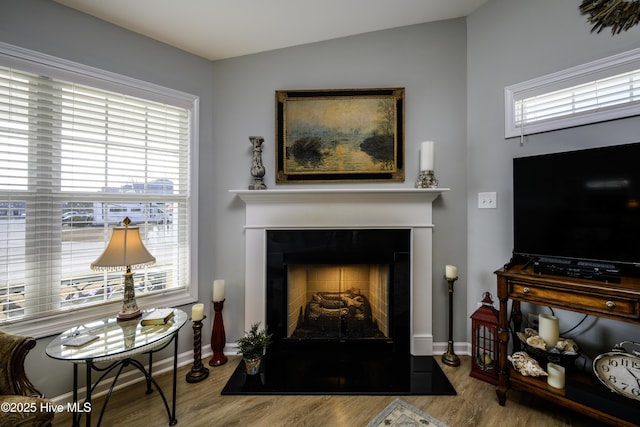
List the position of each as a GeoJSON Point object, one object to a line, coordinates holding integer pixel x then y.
{"type": "Point", "coordinates": [158, 316]}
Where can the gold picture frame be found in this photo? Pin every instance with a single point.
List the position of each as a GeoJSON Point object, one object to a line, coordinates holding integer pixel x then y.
{"type": "Point", "coordinates": [339, 135]}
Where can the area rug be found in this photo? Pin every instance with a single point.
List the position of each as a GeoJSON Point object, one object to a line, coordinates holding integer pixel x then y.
{"type": "Point", "coordinates": [401, 414]}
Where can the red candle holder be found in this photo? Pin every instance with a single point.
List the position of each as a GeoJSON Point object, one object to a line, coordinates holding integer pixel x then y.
{"type": "Point", "coordinates": [218, 337]}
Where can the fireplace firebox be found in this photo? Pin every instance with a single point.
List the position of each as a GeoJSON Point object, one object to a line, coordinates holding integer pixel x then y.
{"type": "Point", "coordinates": [340, 301]}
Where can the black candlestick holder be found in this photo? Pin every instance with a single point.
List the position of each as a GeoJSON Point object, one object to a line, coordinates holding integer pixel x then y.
{"type": "Point", "coordinates": [198, 371]}
{"type": "Point", "coordinates": [450, 358]}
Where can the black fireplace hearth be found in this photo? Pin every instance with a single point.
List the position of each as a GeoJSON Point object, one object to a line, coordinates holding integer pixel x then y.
{"type": "Point", "coordinates": [329, 374]}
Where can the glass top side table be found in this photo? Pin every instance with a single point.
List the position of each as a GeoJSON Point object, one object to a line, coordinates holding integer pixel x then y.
{"type": "Point", "coordinates": [115, 343]}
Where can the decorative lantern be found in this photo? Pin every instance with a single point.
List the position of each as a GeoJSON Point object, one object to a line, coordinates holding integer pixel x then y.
{"type": "Point", "coordinates": [484, 345]}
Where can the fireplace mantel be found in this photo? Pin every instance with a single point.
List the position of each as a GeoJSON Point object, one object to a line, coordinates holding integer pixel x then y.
{"type": "Point", "coordinates": [340, 208]}
{"type": "Point", "coordinates": [301, 194]}
{"type": "Point", "coordinates": [343, 209]}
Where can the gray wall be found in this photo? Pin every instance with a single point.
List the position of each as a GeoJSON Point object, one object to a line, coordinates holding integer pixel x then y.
{"type": "Point", "coordinates": [429, 60]}
{"type": "Point", "coordinates": [511, 41]}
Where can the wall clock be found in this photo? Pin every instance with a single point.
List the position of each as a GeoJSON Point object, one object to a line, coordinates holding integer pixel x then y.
{"type": "Point", "coordinates": [619, 370]}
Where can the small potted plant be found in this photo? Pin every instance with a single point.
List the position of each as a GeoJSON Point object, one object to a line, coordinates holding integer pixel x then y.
{"type": "Point", "coordinates": [252, 346]}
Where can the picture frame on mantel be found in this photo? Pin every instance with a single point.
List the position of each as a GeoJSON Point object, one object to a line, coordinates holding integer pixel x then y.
{"type": "Point", "coordinates": [340, 135]}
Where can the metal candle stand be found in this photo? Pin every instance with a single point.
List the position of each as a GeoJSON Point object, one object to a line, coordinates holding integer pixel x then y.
{"type": "Point", "coordinates": [450, 358]}
{"type": "Point", "coordinates": [218, 338]}
{"type": "Point", "coordinates": [198, 370]}
{"type": "Point", "coordinates": [427, 179]}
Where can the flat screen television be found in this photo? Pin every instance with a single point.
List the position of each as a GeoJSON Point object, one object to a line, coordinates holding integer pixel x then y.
{"type": "Point", "coordinates": [579, 207]}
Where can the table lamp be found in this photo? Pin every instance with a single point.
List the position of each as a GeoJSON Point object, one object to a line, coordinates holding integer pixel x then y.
{"type": "Point", "coordinates": [125, 250]}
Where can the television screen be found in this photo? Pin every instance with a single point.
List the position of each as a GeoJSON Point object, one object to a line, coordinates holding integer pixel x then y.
{"type": "Point", "coordinates": [580, 205]}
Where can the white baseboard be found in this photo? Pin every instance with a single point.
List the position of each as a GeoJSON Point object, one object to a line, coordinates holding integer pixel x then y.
{"type": "Point", "coordinates": [459, 348]}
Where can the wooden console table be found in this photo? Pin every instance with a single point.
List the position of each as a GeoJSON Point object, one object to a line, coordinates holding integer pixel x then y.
{"type": "Point", "coordinates": [583, 392]}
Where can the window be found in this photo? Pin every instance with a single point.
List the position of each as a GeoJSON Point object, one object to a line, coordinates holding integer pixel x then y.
{"type": "Point", "coordinates": [602, 90]}
{"type": "Point", "coordinates": [80, 150]}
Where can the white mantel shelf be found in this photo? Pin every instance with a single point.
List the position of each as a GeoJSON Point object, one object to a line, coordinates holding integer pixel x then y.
{"type": "Point", "coordinates": [303, 194]}
{"type": "Point", "coordinates": [339, 208]}
{"type": "Point", "coordinates": [343, 208]}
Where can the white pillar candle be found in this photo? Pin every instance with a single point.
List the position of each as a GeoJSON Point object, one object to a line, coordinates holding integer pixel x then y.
{"type": "Point", "coordinates": [549, 330]}
{"type": "Point", "coordinates": [197, 312]}
{"type": "Point", "coordinates": [218, 290]}
{"type": "Point", "coordinates": [450, 271]}
{"type": "Point", "coordinates": [426, 156]}
{"type": "Point", "coordinates": [556, 375]}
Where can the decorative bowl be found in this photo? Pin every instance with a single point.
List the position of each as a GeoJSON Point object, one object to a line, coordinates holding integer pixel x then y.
{"type": "Point", "coordinates": [553, 355]}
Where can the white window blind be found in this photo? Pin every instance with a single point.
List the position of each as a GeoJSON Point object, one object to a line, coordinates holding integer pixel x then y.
{"type": "Point", "coordinates": [602, 90]}
{"type": "Point", "coordinates": [75, 160]}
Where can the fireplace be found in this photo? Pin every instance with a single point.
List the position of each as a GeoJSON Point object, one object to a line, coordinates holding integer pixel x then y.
{"type": "Point", "coordinates": [343, 279]}
{"type": "Point", "coordinates": [337, 288]}
{"type": "Point", "coordinates": [409, 209]}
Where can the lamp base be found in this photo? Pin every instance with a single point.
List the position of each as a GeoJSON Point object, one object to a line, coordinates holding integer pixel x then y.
{"type": "Point", "coordinates": [130, 308]}
{"type": "Point", "coordinates": [128, 316]}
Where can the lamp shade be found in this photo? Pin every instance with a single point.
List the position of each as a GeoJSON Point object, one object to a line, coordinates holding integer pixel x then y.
{"type": "Point", "coordinates": [125, 250]}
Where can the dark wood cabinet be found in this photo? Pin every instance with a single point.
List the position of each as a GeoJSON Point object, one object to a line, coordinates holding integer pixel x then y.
{"type": "Point", "coordinates": [583, 392]}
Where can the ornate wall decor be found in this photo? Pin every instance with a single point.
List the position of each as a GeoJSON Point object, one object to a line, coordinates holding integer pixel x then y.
{"type": "Point", "coordinates": [620, 15]}
{"type": "Point", "coordinates": [340, 135]}
{"type": "Point", "coordinates": [257, 169]}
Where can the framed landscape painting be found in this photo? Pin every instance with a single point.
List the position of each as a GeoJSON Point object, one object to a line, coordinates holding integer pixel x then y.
{"type": "Point", "coordinates": [340, 135]}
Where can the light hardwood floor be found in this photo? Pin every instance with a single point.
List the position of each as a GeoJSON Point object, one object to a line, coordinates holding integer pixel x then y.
{"type": "Point", "coordinates": [201, 404]}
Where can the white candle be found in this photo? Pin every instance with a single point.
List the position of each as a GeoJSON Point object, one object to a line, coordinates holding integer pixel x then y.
{"type": "Point", "coordinates": [450, 271]}
{"type": "Point", "coordinates": [197, 312]}
{"type": "Point", "coordinates": [426, 156]}
{"type": "Point", "coordinates": [556, 375]}
{"type": "Point", "coordinates": [218, 290]}
{"type": "Point", "coordinates": [549, 330]}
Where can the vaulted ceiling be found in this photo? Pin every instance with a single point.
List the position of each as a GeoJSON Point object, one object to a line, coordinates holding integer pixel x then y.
{"type": "Point", "coordinates": [218, 29]}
